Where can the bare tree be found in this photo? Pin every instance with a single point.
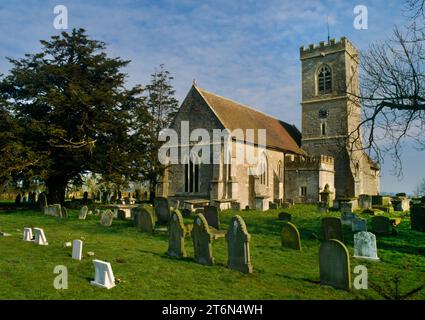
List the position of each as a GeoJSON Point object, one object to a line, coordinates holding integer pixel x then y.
{"type": "Point", "coordinates": [393, 90]}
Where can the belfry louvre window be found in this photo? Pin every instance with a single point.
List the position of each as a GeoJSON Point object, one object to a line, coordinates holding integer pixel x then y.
{"type": "Point", "coordinates": [191, 174]}
{"type": "Point", "coordinates": [324, 80]}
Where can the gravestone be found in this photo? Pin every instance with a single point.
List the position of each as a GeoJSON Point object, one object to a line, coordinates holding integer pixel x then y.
{"type": "Point", "coordinates": [238, 253]}
{"type": "Point", "coordinates": [381, 225]}
{"type": "Point", "coordinates": [64, 213]}
{"type": "Point", "coordinates": [186, 213]}
{"type": "Point", "coordinates": [77, 249]}
{"type": "Point", "coordinates": [107, 218]}
{"type": "Point", "coordinates": [39, 237]}
{"type": "Point", "coordinates": [162, 210]}
{"type": "Point", "coordinates": [104, 277]}
{"type": "Point", "coordinates": [334, 265]}
{"type": "Point", "coordinates": [121, 214]}
{"type": "Point", "coordinates": [28, 234]}
{"type": "Point", "coordinates": [54, 210]}
{"type": "Point", "coordinates": [83, 213]}
{"type": "Point", "coordinates": [272, 205]}
{"type": "Point", "coordinates": [284, 216]}
{"type": "Point", "coordinates": [212, 216]}
{"type": "Point", "coordinates": [18, 199]}
{"type": "Point", "coordinates": [332, 228]}
{"type": "Point", "coordinates": [347, 215]}
{"type": "Point", "coordinates": [322, 207]}
{"type": "Point", "coordinates": [176, 234]}
{"type": "Point", "coordinates": [417, 217]}
{"type": "Point", "coordinates": [358, 224]}
{"type": "Point", "coordinates": [290, 237]}
{"type": "Point", "coordinates": [202, 241]}
{"type": "Point", "coordinates": [365, 201]}
{"type": "Point", "coordinates": [85, 198]}
{"type": "Point", "coordinates": [31, 199]}
{"type": "Point", "coordinates": [365, 246]}
{"type": "Point", "coordinates": [144, 219]}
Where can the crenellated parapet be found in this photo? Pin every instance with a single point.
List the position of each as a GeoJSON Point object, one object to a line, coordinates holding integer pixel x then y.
{"type": "Point", "coordinates": [310, 163]}
{"type": "Point", "coordinates": [324, 48]}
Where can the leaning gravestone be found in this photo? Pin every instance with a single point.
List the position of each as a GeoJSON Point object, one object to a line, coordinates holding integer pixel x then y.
{"type": "Point", "coordinates": [77, 249]}
{"type": "Point", "coordinates": [176, 233]}
{"type": "Point", "coordinates": [358, 224]}
{"type": "Point", "coordinates": [381, 225]}
{"type": "Point", "coordinates": [239, 256]}
{"type": "Point", "coordinates": [202, 241]}
{"type": "Point", "coordinates": [54, 210]}
{"type": "Point", "coordinates": [144, 219]}
{"type": "Point", "coordinates": [334, 265]}
{"type": "Point", "coordinates": [162, 210]}
{"type": "Point", "coordinates": [83, 213]}
{"type": "Point", "coordinates": [64, 213]}
{"type": "Point", "coordinates": [212, 216]}
{"type": "Point", "coordinates": [417, 217]}
{"type": "Point", "coordinates": [104, 277]}
{"type": "Point", "coordinates": [365, 246]}
{"type": "Point", "coordinates": [284, 216]}
{"type": "Point", "coordinates": [40, 237]}
{"type": "Point", "coordinates": [27, 234]}
{"type": "Point", "coordinates": [290, 237]}
{"type": "Point", "coordinates": [332, 228]}
{"type": "Point", "coordinates": [107, 218]}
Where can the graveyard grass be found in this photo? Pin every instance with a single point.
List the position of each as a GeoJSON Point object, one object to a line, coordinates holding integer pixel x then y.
{"type": "Point", "coordinates": [146, 272]}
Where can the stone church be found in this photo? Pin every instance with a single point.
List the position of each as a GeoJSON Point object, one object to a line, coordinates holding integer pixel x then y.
{"type": "Point", "coordinates": [294, 166]}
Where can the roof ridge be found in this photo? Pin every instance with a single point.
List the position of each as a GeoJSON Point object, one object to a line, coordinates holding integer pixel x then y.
{"type": "Point", "coordinates": [243, 105]}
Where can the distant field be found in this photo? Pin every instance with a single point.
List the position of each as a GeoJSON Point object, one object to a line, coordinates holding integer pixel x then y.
{"type": "Point", "coordinates": [139, 260]}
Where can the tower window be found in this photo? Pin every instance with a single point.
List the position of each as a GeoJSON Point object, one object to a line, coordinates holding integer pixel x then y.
{"type": "Point", "coordinates": [303, 191]}
{"type": "Point", "coordinates": [324, 80]}
{"type": "Point", "coordinates": [191, 177]}
{"type": "Point", "coordinates": [323, 128]}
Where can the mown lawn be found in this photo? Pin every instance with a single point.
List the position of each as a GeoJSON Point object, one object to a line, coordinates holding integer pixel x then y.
{"type": "Point", "coordinates": [139, 260]}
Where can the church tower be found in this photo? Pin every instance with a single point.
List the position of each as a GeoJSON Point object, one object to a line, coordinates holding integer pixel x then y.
{"type": "Point", "coordinates": [331, 111]}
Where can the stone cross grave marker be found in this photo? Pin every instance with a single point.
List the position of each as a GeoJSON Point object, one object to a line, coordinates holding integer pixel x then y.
{"type": "Point", "coordinates": [83, 213]}
{"type": "Point", "coordinates": [365, 246]}
{"type": "Point", "coordinates": [290, 236]}
{"type": "Point", "coordinates": [202, 241]}
{"type": "Point", "coordinates": [332, 228]}
{"type": "Point", "coordinates": [40, 237]}
{"type": "Point", "coordinates": [176, 234]}
{"type": "Point", "coordinates": [162, 210]}
{"type": "Point", "coordinates": [104, 277]}
{"type": "Point", "coordinates": [27, 234]}
{"type": "Point", "coordinates": [238, 253]}
{"type": "Point", "coordinates": [334, 265]}
{"type": "Point", "coordinates": [77, 249]}
{"type": "Point", "coordinates": [107, 218]}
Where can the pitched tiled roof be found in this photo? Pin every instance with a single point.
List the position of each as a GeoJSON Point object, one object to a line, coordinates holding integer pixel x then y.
{"type": "Point", "coordinates": [233, 115]}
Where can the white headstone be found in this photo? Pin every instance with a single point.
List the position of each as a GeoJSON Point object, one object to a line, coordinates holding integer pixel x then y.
{"type": "Point", "coordinates": [27, 234]}
{"type": "Point", "coordinates": [77, 249]}
{"type": "Point", "coordinates": [83, 213]}
{"type": "Point", "coordinates": [365, 246]}
{"type": "Point", "coordinates": [40, 237]}
{"type": "Point", "coordinates": [104, 277]}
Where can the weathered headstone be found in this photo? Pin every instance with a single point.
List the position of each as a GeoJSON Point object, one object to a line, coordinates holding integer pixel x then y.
{"type": "Point", "coordinates": [121, 214]}
{"type": "Point", "coordinates": [77, 249]}
{"type": "Point", "coordinates": [358, 224]}
{"type": "Point", "coordinates": [27, 234]}
{"type": "Point", "coordinates": [365, 246]}
{"type": "Point", "coordinates": [322, 206]}
{"type": "Point", "coordinates": [144, 219]}
{"type": "Point", "coordinates": [347, 215]}
{"type": "Point", "coordinates": [332, 228]}
{"type": "Point", "coordinates": [104, 277]}
{"type": "Point", "coordinates": [334, 265]}
{"type": "Point", "coordinates": [202, 241]}
{"type": "Point", "coordinates": [290, 237]}
{"type": "Point", "coordinates": [107, 218]}
{"type": "Point", "coordinates": [64, 213]}
{"type": "Point", "coordinates": [417, 217]}
{"type": "Point", "coordinates": [212, 216]}
{"type": "Point", "coordinates": [40, 237]}
{"type": "Point", "coordinates": [284, 216]}
{"type": "Point", "coordinates": [54, 210]}
{"type": "Point", "coordinates": [176, 234]}
{"type": "Point", "coordinates": [381, 225]}
{"type": "Point", "coordinates": [365, 201]}
{"type": "Point", "coordinates": [18, 199]}
{"type": "Point", "coordinates": [272, 205]}
{"type": "Point", "coordinates": [239, 256]}
{"type": "Point", "coordinates": [83, 213]}
{"type": "Point", "coordinates": [162, 210]}
{"type": "Point", "coordinates": [85, 198]}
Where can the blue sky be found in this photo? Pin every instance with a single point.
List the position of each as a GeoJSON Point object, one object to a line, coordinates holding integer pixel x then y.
{"type": "Point", "coordinates": [242, 49]}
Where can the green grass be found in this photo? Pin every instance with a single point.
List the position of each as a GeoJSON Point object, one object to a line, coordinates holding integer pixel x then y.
{"type": "Point", "coordinates": [139, 260]}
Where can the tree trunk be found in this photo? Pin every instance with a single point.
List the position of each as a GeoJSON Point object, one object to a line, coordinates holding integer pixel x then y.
{"type": "Point", "coordinates": [152, 192]}
{"type": "Point", "coordinates": [56, 187]}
